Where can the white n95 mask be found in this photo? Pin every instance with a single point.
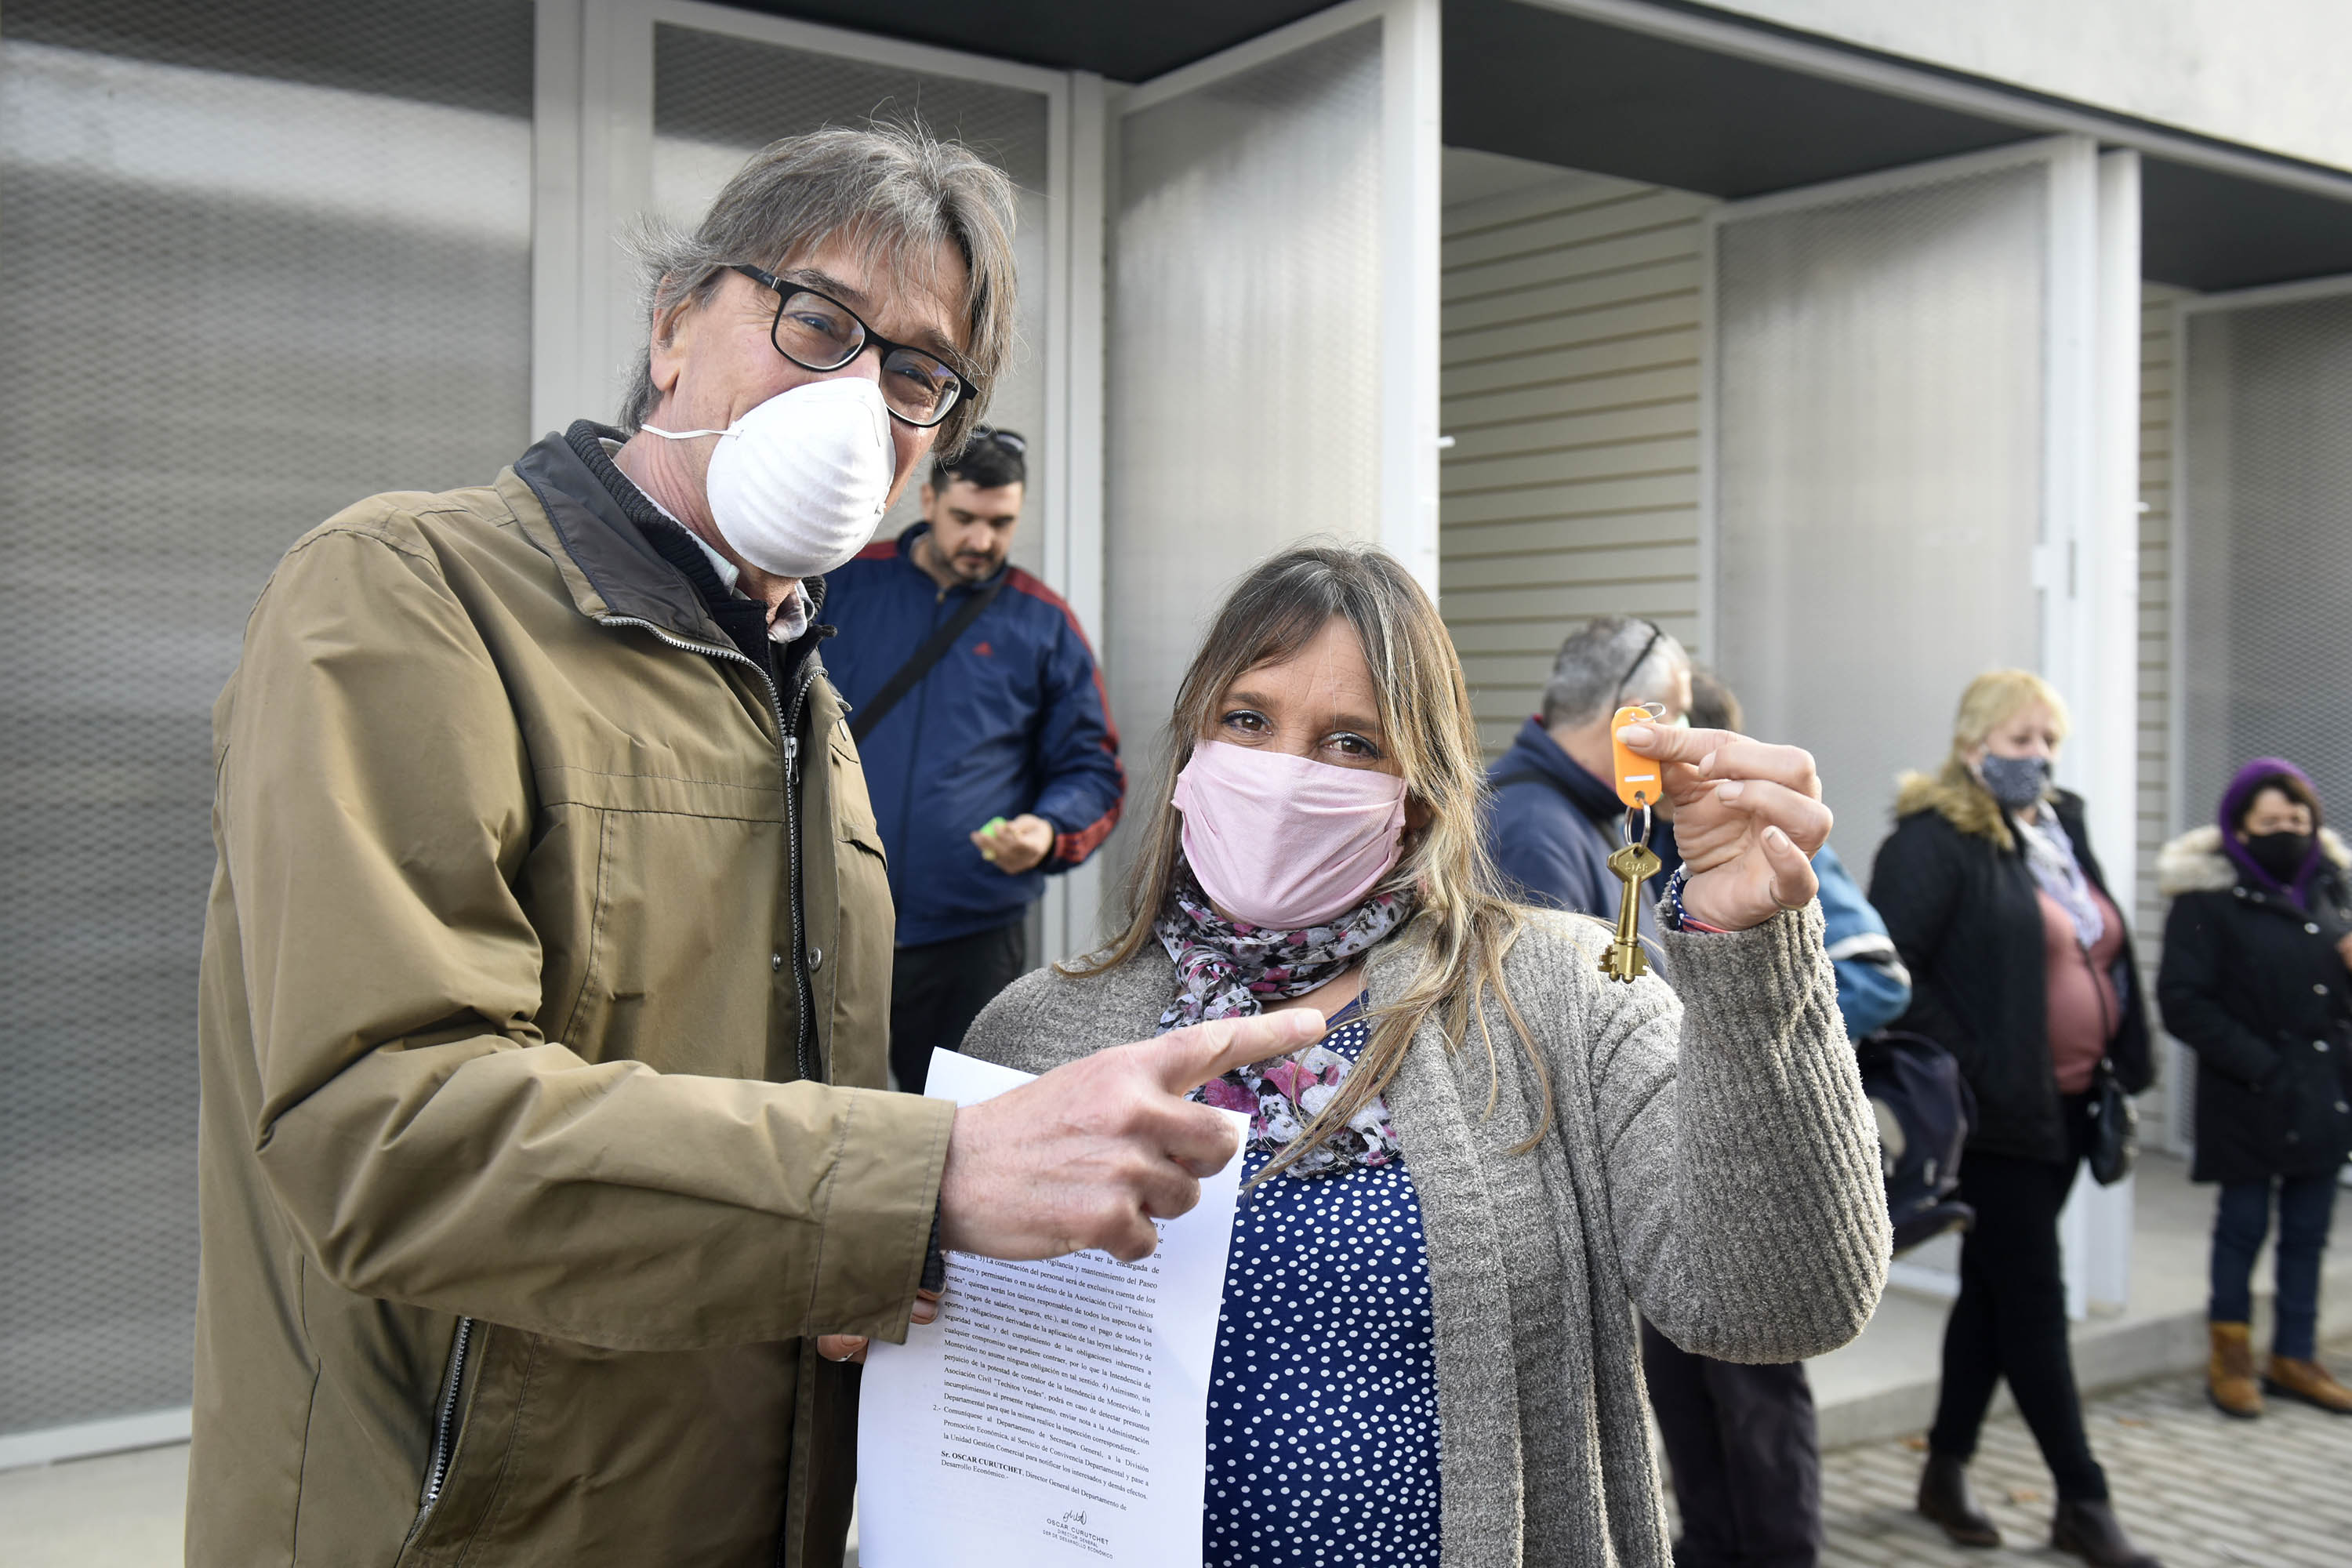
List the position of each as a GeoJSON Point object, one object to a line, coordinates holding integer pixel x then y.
{"type": "Point", "coordinates": [799, 484]}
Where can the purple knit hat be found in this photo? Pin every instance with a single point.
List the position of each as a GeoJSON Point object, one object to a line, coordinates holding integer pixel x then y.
{"type": "Point", "coordinates": [2242, 789]}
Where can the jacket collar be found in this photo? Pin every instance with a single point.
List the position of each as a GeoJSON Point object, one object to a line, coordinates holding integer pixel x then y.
{"type": "Point", "coordinates": [575, 504]}
{"type": "Point", "coordinates": [1533, 750]}
{"type": "Point", "coordinates": [906, 548]}
{"type": "Point", "coordinates": [614, 573]}
{"type": "Point", "coordinates": [2196, 862]}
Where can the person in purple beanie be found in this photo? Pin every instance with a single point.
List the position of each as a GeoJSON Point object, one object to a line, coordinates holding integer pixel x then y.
{"type": "Point", "coordinates": [2257, 980]}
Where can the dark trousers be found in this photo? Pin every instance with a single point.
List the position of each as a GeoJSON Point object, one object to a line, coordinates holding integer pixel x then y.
{"type": "Point", "coordinates": [2011, 1318]}
{"type": "Point", "coordinates": [2307, 1205]}
{"type": "Point", "coordinates": [939, 988]}
{"type": "Point", "coordinates": [1744, 1456]}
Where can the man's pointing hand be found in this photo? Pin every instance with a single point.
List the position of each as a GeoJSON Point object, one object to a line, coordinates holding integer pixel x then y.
{"type": "Point", "coordinates": [1089, 1154]}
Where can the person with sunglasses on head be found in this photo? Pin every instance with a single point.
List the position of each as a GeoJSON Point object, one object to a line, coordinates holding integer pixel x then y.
{"type": "Point", "coordinates": [1554, 818]}
{"type": "Point", "coordinates": [546, 1172]}
{"type": "Point", "coordinates": [986, 734]}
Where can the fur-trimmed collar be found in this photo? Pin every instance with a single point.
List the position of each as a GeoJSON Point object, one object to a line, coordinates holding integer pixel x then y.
{"type": "Point", "coordinates": [2195, 863]}
{"type": "Point", "coordinates": [1959, 799]}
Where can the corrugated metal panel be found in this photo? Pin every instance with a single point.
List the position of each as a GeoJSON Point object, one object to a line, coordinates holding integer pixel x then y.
{"type": "Point", "coordinates": [1570, 386]}
{"type": "Point", "coordinates": [2156, 811]}
{"type": "Point", "coordinates": [2167, 1111]}
{"type": "Point", "coordinates": [262, 260]}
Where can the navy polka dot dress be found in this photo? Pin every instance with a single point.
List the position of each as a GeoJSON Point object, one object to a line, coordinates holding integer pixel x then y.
{"type": "Point", "coordinates": [1323, 1395]}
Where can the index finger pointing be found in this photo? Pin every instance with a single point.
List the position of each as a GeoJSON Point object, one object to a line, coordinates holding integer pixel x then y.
{"type": "Point", "coordinates": [1184, 1060]}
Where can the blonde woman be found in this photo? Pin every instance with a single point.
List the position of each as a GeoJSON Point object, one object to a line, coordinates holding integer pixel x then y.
{"type": "Point", "coordinates": [1426, 1355]}
{"type": "Point", "coordinates": [2022, 967]}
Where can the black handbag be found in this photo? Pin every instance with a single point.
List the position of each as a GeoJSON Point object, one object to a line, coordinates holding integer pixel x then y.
{"type": "Point", "coordinates": [2114, 1127]}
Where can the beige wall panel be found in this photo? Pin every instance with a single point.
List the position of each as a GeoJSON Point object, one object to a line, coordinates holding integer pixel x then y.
{"type": "Point", "coordinates": [1597, 259]}
{"type": "Point", "coordinates": [1473, 415]}
{"type": "Point", "coordinates": [1564, 233]}
{"type": "Point", "coordinates": [1651, 492]}
{"type": "Point", "coordinates": [1665, 312]}
{"type": "Point", "coordinates": [1674, 345]}
{"type": "Point", "coordinates": [1658, 278]}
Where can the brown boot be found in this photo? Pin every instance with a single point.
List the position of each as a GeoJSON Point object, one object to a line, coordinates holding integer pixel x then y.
{"type": "Point", "coordinates": [1944, 1496]}
{"type": "Point", "coordinates": [2230, 1372]}
{"type": "Point", "coordinates": [2307, 1381]}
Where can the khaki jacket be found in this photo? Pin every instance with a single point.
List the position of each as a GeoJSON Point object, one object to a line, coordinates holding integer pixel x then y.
{"type": "Point", "coordinates": [540, 1131]}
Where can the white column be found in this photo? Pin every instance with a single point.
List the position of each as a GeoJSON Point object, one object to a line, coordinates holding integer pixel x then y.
{"type": "Point", "coordinates": [1074, 545]}
{"type": "Point", "coordinates": [1411, 196]}
{"type": "Point", "coordinates": [2103, 614]}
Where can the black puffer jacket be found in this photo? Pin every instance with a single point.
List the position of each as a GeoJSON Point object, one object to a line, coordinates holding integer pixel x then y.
{"type": "Point", "coordinates": [1962, 908]}
{"type": "Point", "coordinates": [2257, 989]}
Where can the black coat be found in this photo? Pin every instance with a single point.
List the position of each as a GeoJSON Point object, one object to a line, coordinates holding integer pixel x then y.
{"type": "Point", "coordinates": [1966, 919]}
{"type": "Point", "coordinates": [2257, 989]}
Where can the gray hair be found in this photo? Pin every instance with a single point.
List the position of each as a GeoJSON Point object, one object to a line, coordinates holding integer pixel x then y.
{"type": "Point", "coordinates": [895, 192]}
{"type": "Point", "coordinates": [1597, 662]}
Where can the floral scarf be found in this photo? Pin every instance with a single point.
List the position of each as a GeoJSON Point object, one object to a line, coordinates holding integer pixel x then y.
{"type": "Point", "coordinates": [1229, 968]}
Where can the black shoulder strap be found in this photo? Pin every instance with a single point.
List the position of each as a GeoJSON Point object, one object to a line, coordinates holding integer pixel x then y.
{"type": "Point", "coordinates": [919, 664]}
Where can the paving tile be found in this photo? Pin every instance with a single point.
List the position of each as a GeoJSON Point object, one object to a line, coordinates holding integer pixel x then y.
{"type": "Point", "coordinates": [2195, 1487]}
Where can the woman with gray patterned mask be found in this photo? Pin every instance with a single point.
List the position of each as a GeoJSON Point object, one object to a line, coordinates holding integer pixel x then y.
{"type": "Point", "coordinates": [2021, 967]}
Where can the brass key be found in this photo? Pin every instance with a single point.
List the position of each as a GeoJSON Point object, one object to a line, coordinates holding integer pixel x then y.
{"type": "Point", "coordinates": [1624, 960]}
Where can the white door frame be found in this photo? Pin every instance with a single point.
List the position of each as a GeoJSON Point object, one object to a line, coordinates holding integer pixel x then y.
{"type": "Point", "coordinates": [593, 175]}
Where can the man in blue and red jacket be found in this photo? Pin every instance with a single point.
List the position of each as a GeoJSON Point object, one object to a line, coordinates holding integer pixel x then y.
{"type": "Point", "coordinates": [995, 766]}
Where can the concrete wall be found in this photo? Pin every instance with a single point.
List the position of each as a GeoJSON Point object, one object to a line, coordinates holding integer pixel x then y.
{"type": "Point", "coordinates": [2266, 73]}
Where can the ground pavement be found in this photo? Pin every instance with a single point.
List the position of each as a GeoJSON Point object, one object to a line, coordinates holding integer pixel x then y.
{"type": "Point", "coordinates": [2196, 1488]}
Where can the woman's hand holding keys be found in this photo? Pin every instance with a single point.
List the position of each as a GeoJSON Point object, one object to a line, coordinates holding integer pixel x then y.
{"type": "Point", "coordinates": [1748, 818]}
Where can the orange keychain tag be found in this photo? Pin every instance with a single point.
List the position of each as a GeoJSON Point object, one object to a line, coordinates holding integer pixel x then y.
{"type": "Point", "coordinates": [1637, 776]}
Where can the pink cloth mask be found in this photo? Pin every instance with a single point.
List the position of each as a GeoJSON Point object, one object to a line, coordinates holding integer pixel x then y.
{"type": "Point", "coordinates": [1286, 842]}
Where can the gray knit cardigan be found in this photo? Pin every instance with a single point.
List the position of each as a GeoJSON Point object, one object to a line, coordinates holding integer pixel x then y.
{"type": "Point", "coordinates": [1712, 1161]}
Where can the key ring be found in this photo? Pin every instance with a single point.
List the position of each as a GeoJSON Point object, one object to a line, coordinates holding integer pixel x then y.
{"type": "Point", "coordinates": [1626, 828]}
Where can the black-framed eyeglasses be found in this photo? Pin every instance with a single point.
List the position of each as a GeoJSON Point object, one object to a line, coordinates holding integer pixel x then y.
{"type": "Point", "coordinates": [817, 331]}
{"type": "Point", "coordinates": [990, 433]}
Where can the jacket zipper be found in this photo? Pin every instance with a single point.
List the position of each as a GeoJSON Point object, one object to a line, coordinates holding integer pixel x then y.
{"type": "Point", "coordinates": [445, 1425]}
{"type": "Point", "coordinates": [788, 744]}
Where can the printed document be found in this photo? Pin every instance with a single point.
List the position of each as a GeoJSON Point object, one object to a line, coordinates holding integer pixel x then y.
{"type": "Point", "coordinates": [1057, 1412]}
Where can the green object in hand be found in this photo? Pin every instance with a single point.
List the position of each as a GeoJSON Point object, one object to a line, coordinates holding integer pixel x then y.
{"type": "Point", "coordinates": [987, 830]}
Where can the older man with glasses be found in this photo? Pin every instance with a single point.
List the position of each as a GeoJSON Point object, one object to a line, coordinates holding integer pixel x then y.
{"type": "Point", "coordinates": [546, 1178]}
